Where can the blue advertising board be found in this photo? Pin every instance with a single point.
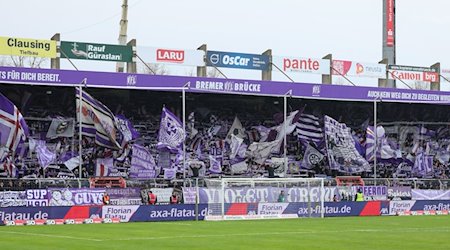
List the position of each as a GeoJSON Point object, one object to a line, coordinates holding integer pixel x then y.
{"type": "Point", "coordinates": [237, 60]}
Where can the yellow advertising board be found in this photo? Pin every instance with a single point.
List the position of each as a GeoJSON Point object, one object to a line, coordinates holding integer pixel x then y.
{"type": "Point", "coordinates": [27, 47]}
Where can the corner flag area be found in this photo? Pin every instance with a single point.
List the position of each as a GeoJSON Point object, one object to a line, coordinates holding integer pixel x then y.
{"type": "Point", "coordinates": [409, 232]}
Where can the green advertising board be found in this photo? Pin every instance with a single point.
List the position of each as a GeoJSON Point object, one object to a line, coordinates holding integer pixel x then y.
{"type": "Point", "coordinates": [96, 51]}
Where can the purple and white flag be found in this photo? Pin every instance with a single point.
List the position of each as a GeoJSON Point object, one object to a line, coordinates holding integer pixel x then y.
{"type": "Point", "coordinates": [214, 165]}
{"type": "Point", "coordinates": [263, 132]}
{"type": "Point", "coordinates": [384, 150]}
{"type": "Point", "coordinates": [341, 151]}
{"type": "Point", "coordinates": [143, 165]}
{"type": "Point", "coordinates": [171, 134]}
{"type": "Point", "coordinates": [97, 121]}
{"type": "Point", "coordinates": [126, 130]}
{"type": "Point", "coordinates": [309, 129]}
{"type": "Point", "coordinates": [44, 155]}
{"type": "Point", "coordinates": [423, 164]}
{"type": "Point", "coordinates": [13, 128]}
{"type": "Point", "coordinates": [260, 151]}
{"type": "Point", "coordinates": [312, 157]}
{"type": "Point", "coordinates": [287, 127]}
{"type": "Point", "coordinates": [234, 146]}
{"type": "Point", "coordinates": [235, 129]}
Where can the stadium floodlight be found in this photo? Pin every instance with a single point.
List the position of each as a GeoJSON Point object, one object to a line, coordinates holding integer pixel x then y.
{"type": "Point", "coordinates": [265, 198]}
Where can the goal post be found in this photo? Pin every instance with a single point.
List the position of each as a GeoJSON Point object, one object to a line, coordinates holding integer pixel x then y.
{"type": "Point", "coordinates": [265, 198]}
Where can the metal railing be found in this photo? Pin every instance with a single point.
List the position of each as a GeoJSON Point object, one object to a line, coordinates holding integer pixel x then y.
{"type": "Point", "coordinates": [22, 184]}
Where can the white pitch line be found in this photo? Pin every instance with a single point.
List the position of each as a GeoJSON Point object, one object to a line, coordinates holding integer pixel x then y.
{"type": "Point", "coordinates": [51, 236]}
{"type": "Point", "coordinates": [447, 229]}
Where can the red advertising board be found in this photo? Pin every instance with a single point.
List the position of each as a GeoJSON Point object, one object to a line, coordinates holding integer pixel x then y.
{"type": "Point", "coordinates": [390, 29]}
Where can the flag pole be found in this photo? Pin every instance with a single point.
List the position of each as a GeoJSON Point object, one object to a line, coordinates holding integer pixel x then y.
{"type": "Point", "coordinates": [80, 137]}
{"type": "Point", "coordinates": [376, 139]}
{"type": "Point", "coordinates": [187, 85]}
{"type": "Point", "coordinates": [289, 93]}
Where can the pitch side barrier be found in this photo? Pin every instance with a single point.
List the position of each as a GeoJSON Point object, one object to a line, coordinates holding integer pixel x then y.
{"type": "Point", "coordinates": [189, 212]}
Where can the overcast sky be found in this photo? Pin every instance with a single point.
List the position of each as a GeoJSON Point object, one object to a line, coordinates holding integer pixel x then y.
{"type": "Point", "coordinates": [349, 29]}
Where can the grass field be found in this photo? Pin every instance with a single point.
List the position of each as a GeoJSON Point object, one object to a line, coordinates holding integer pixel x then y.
{"type": "Point", "coordinates": [412, 232]}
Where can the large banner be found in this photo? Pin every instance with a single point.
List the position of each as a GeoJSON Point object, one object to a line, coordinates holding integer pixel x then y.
{"type": "Point", "coordinates": [429, 194]}
{"type": "Point", "coordinates": [237, 60]}
{"type": "Point", "coordinates": [37, 197]}
{"type": "Point", "coordinates": [302, 65]}
{"type": "Point", "coordinates": [27, 47]}
{"type": "Point", "coordinates": [172, 56]}
{"type": "Point", "coordinates": [341, 151]}
{"type": "Point", "coordinates": [260, 194]}
{"type": "Point", "coordinates": [96, 51]}
{"type": "Point", "coordinates": [13, 199]}
{"type": "Point", "coordinates": [358, 69]}
{"type": "Point", "coordinates": [52, 77]}
{"type": "Point", "coordinates": [399, 193]}
{"type": "Point", "coordinates": [75, 196]}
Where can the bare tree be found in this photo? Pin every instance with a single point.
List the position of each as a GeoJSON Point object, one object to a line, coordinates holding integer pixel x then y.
{"type": "Point", "coordinates": [154, 69]}
{"type": "Point", "coordinates": [214, 73]}
{"type": "Point", "coordinates": [23, 61]}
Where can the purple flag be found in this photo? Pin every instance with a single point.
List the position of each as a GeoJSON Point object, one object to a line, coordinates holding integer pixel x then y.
{"type": "Point", "coordinates": [423, 164]}
{"type": "Point", "coordinates": [13, 127]}
{"type": "Point", "coordinates": [214, 165]}
{"type": "Point", "coordinates": [143, 165]}
{"type": "Point", "coordinates": [44, 155]}
{"type": "Point", "coordinates": [97, 121]}
{"type": "Point", "coordinates": [126, 129]}
{"type": "Point", "coordinates": [171, 133]}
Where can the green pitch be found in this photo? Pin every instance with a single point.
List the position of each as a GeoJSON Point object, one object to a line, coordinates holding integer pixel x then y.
{"type": "Point", "coordinates": [368, 233]}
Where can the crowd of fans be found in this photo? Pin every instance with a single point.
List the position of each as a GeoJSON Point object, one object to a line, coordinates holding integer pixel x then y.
{"type": "Point", "coordinates": [143, 108]}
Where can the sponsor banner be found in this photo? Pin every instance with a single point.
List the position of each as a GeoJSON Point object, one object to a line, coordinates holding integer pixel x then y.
{"type": "Point", "coordinates": [13, 199]}
{"type": "Point", "coordinates": [271, 208]}
{"type": "Point", "coordinates": [75, 196]}
{"type": "Point", "coordinates": [36, 197]}
{"type": "Point", "coordinates": [237, 60]}
{"type": "Point", "coordinates": [396, 207]}
{"type": "Point", "coordinates": [169, 213]}
{"type": "Point", "coordinates": [390, 23]}
{"type": "Point", "coordinates": [27, 47]}
{"type": "Point", "coordinates": [359, 69]}
{"type": "Point", "coordinates": [124, 213]}
{"type": "Point", "coordinates": [96, 51]}
{"type": "Point", "coordinates": [44, 213]}
{"type": "Point", "coordinates": [54, 77]}
{"type": "Point", "coordinates": [302, 64]}
{"type": "Point", "coordinates": [431, 205]}
{"type": "Point", "coordinates": [412, 73]}
{"type": "Point", "coordinates": [399, 193]}
{"type": "Point", "coordinates": [262, 194]}
{"type": "Point", "coordinates": [306, 209]}
{"type": "Point", "coordinates": [172, 56]}
{"type": "Point", "coordinates": [429, 194]}
{"type": "Point", "coordinates": [446, 73]}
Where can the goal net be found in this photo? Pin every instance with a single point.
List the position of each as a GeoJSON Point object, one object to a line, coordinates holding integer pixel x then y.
{"type": "Point", "coordinates": [265, 198]}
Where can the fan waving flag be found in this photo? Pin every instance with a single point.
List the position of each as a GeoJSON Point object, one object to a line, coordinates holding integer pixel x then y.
{"type": "Point", "coordinates": [13, 128]}
{"type": "Point", "coordinates": [171, 134]}
{"type": "Point", "coordinates": [97, 121]}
